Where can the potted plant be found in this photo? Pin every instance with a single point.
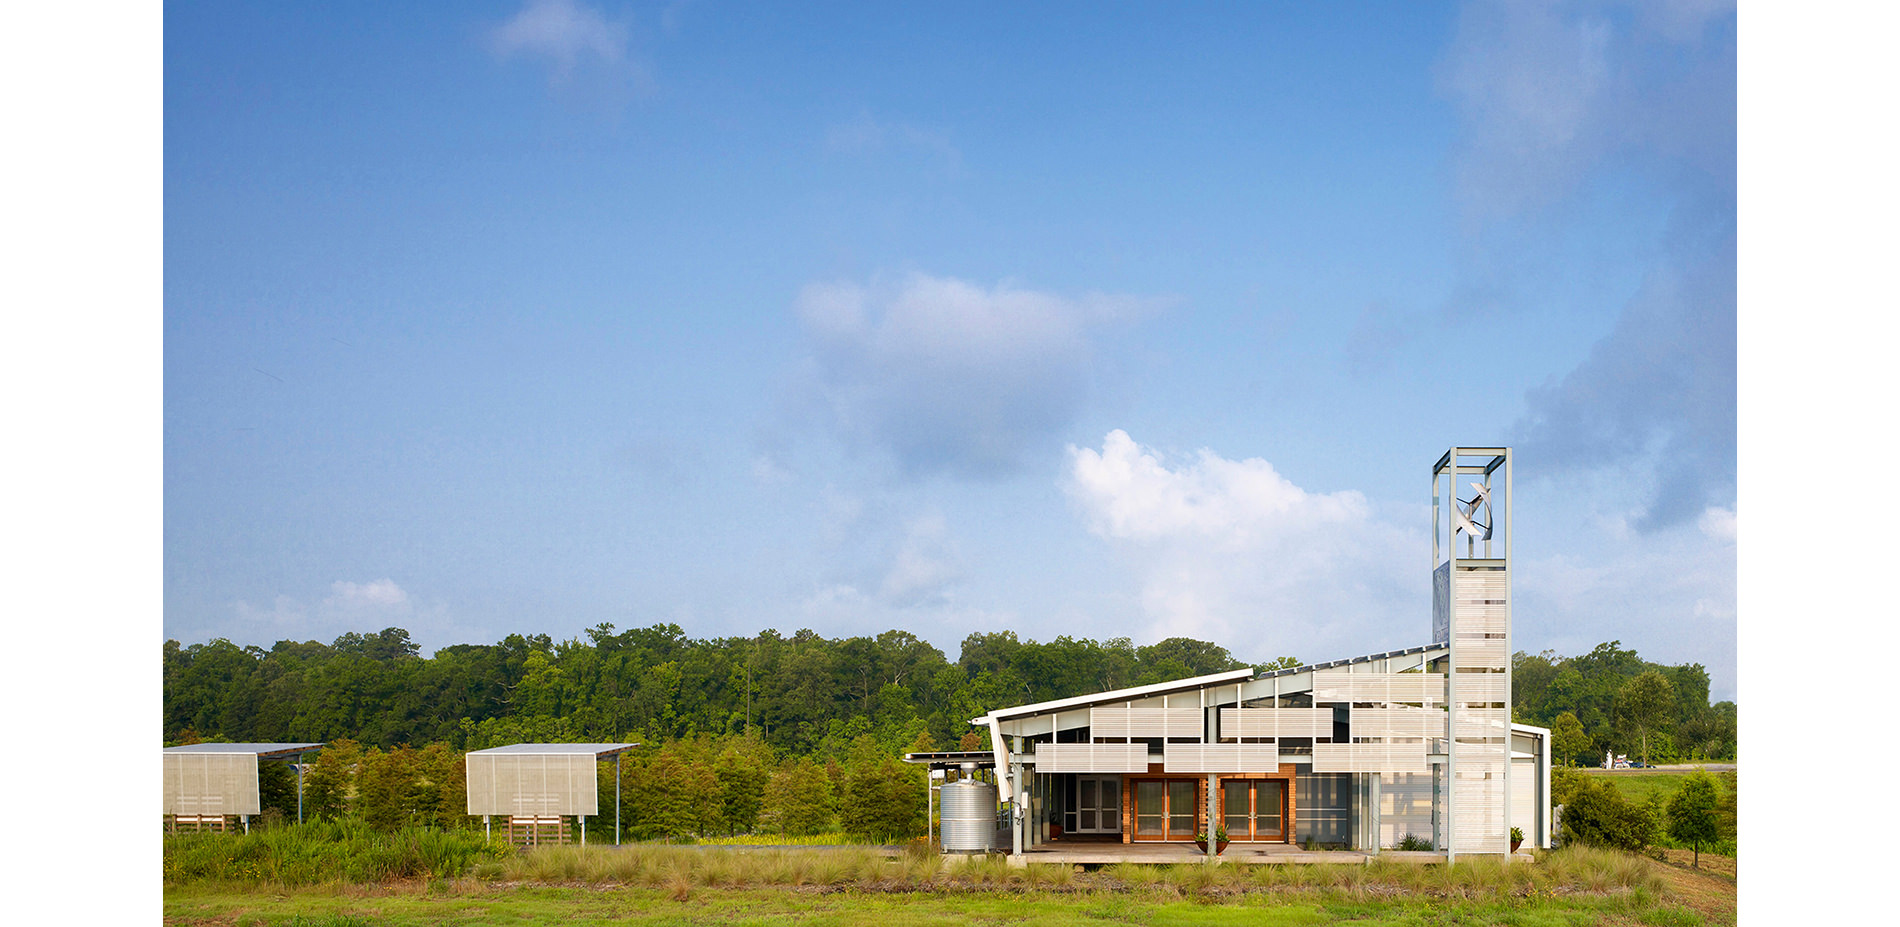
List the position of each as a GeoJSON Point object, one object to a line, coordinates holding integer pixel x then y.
{"type": "Point", "coordinates": [1517, 837]}
{"type": "Point", "coordinates": [1220, 840]}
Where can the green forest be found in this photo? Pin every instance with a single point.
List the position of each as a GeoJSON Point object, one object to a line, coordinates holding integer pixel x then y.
{"type": "Point", "coordinates": [788, 735]}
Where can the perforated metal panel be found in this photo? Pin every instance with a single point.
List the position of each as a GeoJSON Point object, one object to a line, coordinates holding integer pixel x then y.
{"type": "Point", "coordinates": [532, 784]}
{"type": "Point", "coordinates": [1145, 722]}
{"type": "Point", "coordinates": [211, 783]}
{"type": "Point", "coordinates": [1221, 758]}
{"type": "Point", "coordinates": [1091, 758]}
{"type": "Point", "coordinates": [1343, 686]}
{"type": "Point", "coordinates": [1276, 722]}
{"type": "Point", "coordinates": [1370, 758]}
{"type": "Point", "coordinates": [1405, 807]}
{"type": "Point", "coordinates": [1398, 722]}
{"type": "Point", "coordinates": [1480, 732]}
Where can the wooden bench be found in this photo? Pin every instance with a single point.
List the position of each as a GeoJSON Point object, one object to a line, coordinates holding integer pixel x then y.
{"type": "Point", "coordinates": [534, 830]}
{"type": "Point", "coordinates": [196, 822]}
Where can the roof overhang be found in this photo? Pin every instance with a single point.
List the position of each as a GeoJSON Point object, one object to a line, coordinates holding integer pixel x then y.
{"type": "Point", "coordinates": [599, 751]}
{"type": "Point", "coordinates": [261, 751]}
{"type": "Point", "coordinates": [945, 758]}
{"type": "Point", "coordinates": [1118, 695]}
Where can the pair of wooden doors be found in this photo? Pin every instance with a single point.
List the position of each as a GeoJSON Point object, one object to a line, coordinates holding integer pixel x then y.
{"type": "Point", "coordinates": [1254, 809]}
{"type": "Point", "coordinates": [1166, 809]}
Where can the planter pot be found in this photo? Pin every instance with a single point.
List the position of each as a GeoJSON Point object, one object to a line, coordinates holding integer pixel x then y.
{"type": "Point", "coordinates": [1219, 847]}
{"type": "Point", "coordinates": [1515, 844]}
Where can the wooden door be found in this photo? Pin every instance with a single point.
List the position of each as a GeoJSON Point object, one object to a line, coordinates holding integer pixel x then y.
{"type": "Point", "coordinates": [1166, 809]}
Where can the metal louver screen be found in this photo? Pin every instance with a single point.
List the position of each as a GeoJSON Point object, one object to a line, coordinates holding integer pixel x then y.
{"type": "Point", "coordinates": [1145, 722]}
{"type": "Point", "coordinates": [1276, 722]}
{"type": "Point", "coordinates": [211, 783]}
{"type": "Point", "coordinates": [1405, 807]}
{"type": "Point", "coordinates": [532, 784]}
{"type": "Point", "coordinates": [1091, 758]}
{"type": "Point", "coordinates": [1398, 722]}
{"type": "Point", "coordinates": [1343, 686]}
{"type": "Point", "coordinates": [1370, 758]}
{"type": "Point", "coordinates": [1221, 758]}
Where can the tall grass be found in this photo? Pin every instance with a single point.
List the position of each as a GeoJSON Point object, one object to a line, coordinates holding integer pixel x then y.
{"type": "Point", "coordinates": [354, 853]}
{"type": "Point", "coordinates": [325, 851]}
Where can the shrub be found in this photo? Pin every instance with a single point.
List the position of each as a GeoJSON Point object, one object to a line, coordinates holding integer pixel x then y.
{"type": "Point", "coordinates": [1413, 842]}
{"type": "Point", "coordinates": [1695, 813]}
{"type": "Point", "coordinates": [1596, 814]}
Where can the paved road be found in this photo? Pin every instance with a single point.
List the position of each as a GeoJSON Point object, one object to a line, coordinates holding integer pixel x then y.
{"type": "Point", "coordinates": [1677, 767]}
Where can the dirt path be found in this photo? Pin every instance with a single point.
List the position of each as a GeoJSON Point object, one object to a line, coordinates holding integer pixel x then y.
{"type": "Point", "coordinates": [1710, 890]}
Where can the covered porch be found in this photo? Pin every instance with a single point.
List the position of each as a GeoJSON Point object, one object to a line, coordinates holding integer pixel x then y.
{"type": "Point", "coordinates": [1094, 851]}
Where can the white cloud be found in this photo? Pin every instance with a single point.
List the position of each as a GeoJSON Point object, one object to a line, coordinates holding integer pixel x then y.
{"type": "Point", "coordinates": [573, 39]}
{"type": "Point", "coordinates": [1669, 594]}
{"type": "Point", "coordinates": [1553, 97]}
{"type": "Point", "coordinates": [948, 375]}
{"type": "Point", "coordinates": [382, 593]}
{"type": "Point", "coordinates": [1135, 495]}
{"type": "Point", "coordinates": [362, 607]}
{"type": "Point", "coordinates": [1230, 550]}
{"type": "Point", "coordinates": [284, 612]}
{"type": "Point", "coordinates": [1718, 523]}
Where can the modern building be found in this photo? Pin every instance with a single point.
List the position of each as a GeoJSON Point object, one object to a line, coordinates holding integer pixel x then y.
{"type": "Point", "coordinates": [1356, 753]}
{"type": "Point", "coordinates": [206, 784]}
{"type": "Point", "coordinates": [539, 790]}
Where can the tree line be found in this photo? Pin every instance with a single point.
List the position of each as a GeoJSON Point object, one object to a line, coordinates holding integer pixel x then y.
{"type": "Point", "coordinates": [801, 695]}
{"type": "Point", "coordinates": [767, 734]}
{"type": "Point", "coordinates": [1611, 700]}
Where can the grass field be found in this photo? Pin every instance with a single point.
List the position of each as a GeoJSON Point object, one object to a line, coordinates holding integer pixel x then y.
{"type": "Point", "coordinates": [676, 885]}
{"type": "Point", "coordinates": [568, 905]}
{"type": "Point", "coordinates": [1639, 786]}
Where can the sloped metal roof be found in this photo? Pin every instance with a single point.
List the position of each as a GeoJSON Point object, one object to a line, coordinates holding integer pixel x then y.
{"type": "Point", "coordinates": [601, 751]}
{"type": "Point", "coordinates": [262, 751]}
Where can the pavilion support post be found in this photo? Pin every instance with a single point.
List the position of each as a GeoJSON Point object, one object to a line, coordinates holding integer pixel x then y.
{"type": "Point", "coordinates": [616, 799]}
{"type": "Point", "coordinates": [300, 788]}
{"type": "Point", "coordinates": [1213, 810]}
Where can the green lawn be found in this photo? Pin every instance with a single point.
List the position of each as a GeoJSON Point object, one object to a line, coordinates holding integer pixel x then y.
{"type": "Point", "coordinates": [1639, 786]}
{"type": "Point", "coordinates": [469, 902]}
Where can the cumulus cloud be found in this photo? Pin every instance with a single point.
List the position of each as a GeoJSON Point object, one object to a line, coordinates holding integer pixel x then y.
{"type": "Point", "coordinates": [571, 38]}
{"type": "Point", "coordinates": [1231, 550]}
{"type": "Point", "coordinates": [1718, 523]}
{"type": "Point", "coordinates": [350, 606]}
{"type": "Point", "coordinates": [1552, 95]}
{"type": "Point", "coordinates": [381, 593]}
{"type": "Point", "coordinates": [951, 376]}
{"type": "Point", "coordinates": [1670, 594]}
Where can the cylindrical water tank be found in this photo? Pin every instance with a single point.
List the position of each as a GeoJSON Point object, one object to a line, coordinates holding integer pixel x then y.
{"type": "Point", "coordinates": [969, 816]}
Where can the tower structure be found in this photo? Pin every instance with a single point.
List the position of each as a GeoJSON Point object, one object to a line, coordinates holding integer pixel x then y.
{"type": "Point", "coordinates": [1471, 614]}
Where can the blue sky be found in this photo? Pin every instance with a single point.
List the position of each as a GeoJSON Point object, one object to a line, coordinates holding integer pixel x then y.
{"type": "Point", "coordinates": [1127, 321]}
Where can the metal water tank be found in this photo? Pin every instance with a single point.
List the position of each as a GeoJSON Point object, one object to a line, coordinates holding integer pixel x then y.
{"type": "Point", "coordinates": [969, 816]}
